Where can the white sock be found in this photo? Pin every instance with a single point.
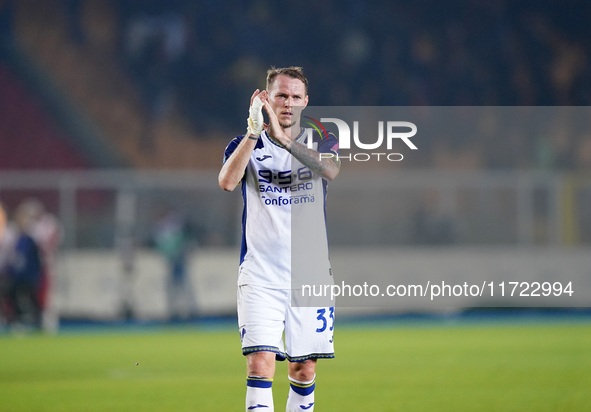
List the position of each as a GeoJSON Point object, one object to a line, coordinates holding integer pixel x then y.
{"type": "Point", "coordinates": [259, 394]}
{"type": "Point", "coordinates": [301, 396]}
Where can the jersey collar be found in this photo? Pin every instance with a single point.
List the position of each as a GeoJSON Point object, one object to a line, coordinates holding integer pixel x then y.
{"type": "Point", "coordinates": [273, 141]}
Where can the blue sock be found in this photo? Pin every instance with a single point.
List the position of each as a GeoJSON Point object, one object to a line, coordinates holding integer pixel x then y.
{"type": "Point", "coordinates": [259, 394]}
{"type": "Point", "coordinates": [301, 396]}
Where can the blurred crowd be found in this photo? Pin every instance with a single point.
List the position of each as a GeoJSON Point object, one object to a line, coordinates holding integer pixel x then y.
{"type": "Point", "coordinates": [209, 54]}
{"type": "Point", "coordinates": [29, 240]}
{"type": "Point", "coordinates": [203, 59]}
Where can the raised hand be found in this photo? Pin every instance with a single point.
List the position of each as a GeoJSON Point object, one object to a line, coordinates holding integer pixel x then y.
{"type": "Point", "coordinates": [263, 95]}
{"type": "Point", "coordinates": [255, 119]}
{"type": "Point", "coordinates": [274, 130]}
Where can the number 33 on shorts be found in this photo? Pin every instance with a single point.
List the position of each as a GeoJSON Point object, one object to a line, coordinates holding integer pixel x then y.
{"type": "Point", "coordinates": [324, 322]}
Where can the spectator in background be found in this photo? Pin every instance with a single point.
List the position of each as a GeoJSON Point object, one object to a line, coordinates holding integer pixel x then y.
{"type": "Point", "coordinates": [24, 273]}
{"type": "Point", "coordinates": [172, 238]}
{"type": "Point", "coordinates": [48, 234]}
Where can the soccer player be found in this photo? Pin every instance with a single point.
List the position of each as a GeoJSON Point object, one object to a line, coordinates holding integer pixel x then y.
{"type": "Point", "coordinates": [280, 177]}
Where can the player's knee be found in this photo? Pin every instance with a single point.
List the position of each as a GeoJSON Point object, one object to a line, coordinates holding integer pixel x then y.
{"type": "Point", "coordinates": [261, 364]}
{"type": "Point", "coordinates": [303, 376]}
{"type": "Point", "coordinates": [303, 371]}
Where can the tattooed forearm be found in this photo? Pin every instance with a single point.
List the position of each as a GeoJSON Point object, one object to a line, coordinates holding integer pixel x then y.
{"type": "Point", "coordinates": [327, 167]}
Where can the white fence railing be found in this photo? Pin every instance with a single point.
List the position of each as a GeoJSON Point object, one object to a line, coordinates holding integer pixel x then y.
{"type": "Point", "coordinates": [98, 208]}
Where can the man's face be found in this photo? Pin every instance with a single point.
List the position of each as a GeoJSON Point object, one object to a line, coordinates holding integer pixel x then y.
{"type": "Point", "coordinates": [288, 98]}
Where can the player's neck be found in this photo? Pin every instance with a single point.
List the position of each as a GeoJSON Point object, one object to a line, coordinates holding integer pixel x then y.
{"type": "Point", "coordinates": [294, 131]}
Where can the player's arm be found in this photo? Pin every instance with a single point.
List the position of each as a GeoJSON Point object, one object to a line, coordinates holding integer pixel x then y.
{"type": "Point", "coordinates": [235, 165]}
{"type": "Point", "coordinates": [328, 168]}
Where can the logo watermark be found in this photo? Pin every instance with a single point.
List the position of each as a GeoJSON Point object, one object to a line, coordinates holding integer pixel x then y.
{"type": "Point", "coordinates": [387, 130]}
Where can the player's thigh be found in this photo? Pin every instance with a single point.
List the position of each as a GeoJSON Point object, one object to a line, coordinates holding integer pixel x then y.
{"type": "Point", "coordinates": [309, 333]}
{"type": "Point", "coordinates": [261, 318]}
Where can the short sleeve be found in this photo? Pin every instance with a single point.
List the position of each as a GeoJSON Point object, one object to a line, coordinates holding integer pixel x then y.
{"type": "Point", "coordinates": [231, 147]}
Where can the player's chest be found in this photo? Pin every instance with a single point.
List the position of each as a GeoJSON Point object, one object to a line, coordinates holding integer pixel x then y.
{"type": "Point", "coordinates": [271, 158]}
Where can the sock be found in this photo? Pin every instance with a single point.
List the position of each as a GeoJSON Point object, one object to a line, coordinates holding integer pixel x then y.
{"type": "Point", "coordinates": [259, 395]}
{"type": "Point", "coordinates": [301, 396]}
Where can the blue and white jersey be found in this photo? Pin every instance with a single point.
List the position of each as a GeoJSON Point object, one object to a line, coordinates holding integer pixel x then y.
{"type": "Point", "coordinates": [284, 215]}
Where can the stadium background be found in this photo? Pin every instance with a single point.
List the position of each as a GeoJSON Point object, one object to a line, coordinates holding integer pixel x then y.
{"type": "Point", "coordinates": [111, 111]}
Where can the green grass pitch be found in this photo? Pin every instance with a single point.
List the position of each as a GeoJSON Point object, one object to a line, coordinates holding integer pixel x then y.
{"type": "Point", "coordinates": [521, 367]}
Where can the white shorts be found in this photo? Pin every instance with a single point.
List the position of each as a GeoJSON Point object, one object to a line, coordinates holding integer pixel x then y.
{"type": "Point", "coordinates": [264, 314]}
